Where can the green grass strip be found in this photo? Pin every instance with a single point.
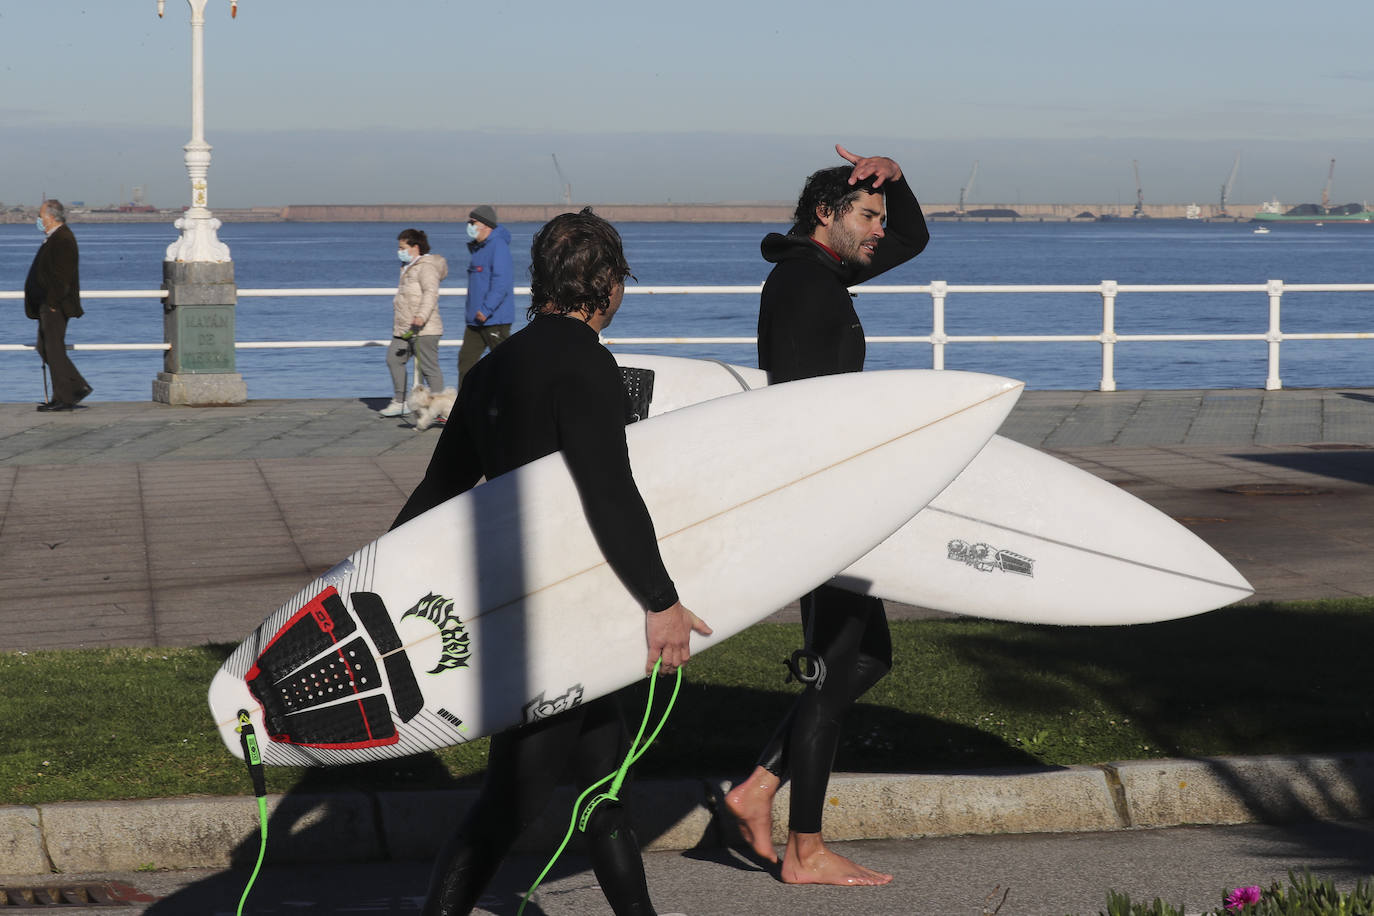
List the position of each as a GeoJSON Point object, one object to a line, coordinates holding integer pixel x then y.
{"type": "Point", "coordinates": [963, 694]}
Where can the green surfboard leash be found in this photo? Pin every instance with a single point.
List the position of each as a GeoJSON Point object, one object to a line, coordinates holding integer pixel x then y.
{"type": "Point", "coordinates": [581, 815]}
{"type": "Point", "coordinates": [248, 740]}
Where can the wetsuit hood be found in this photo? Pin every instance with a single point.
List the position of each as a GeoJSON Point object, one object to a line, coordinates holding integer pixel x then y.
{"type": "Point", "coordinates": [777, 248]}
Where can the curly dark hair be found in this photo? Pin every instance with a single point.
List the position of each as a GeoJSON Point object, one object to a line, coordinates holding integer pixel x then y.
{"type": "Point", "coordinates": [415, 237]}
{"type": "Point", "coordinates": [828, 190]}
{"type": "Point", "coordinates": [576, 262]}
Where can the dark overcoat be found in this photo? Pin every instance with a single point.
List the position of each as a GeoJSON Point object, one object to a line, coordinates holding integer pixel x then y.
{"type": "Point", "coordinates": [53, 277]}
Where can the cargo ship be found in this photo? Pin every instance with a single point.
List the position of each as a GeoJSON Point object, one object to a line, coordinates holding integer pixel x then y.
{"type": "Point", "coordinates": [1273, 212]}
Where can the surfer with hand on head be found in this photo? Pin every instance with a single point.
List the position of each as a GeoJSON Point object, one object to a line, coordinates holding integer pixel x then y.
{"type": "Point", "coordinates": [552, 387]}
{"type": "Point", "coordinates": [852, 223]}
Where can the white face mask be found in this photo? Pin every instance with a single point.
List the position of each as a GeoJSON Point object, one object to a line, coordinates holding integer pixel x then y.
{"type": "Point", "coordinates": [472, 231]}
{"type": "Point", "coordinates": [404, 255]}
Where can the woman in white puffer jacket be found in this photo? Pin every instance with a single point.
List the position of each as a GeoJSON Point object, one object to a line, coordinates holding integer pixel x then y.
{"type": "Point", "coordinates": [417, 327]}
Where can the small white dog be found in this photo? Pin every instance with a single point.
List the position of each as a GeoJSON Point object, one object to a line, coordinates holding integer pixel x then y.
{"type": "Point", "coordinates": [428, 408]}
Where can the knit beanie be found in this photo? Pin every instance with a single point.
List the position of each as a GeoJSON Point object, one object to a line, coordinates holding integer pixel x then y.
{"type": "Point", "coordinates": [484, 214]}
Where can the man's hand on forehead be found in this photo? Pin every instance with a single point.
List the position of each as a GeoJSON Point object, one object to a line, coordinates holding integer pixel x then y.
{"type": "Point", "coordinates": [880, 168]}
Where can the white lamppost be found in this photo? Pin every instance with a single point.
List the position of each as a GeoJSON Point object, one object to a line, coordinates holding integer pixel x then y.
{"type": "Point", "coordinates": [199, 367]}
{"type": "Point", "coordinates": [198, 240]}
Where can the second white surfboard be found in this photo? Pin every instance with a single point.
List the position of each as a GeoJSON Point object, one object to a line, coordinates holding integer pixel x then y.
{"type": "Point", "coordinates": [1019, 535]}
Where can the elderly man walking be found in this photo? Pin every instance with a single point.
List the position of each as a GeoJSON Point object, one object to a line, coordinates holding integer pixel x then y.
{"type": "Point", "coordinates": [52, 296]}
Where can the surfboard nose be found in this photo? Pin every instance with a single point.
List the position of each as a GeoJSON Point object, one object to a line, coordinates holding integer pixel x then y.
{"type": "Point", "coordinates": [972, 382]}
{"type": "Point", "coordinates": [976, 404]}
{"type": "Point", "coordinates": [977, 388]}
{"type": "Point", "coordinates": [1214, 568]}
{"type": "Point", "coordinates": [909, 390]}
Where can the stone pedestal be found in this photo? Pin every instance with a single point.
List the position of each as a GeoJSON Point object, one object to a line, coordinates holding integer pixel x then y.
{"type": "Point", "coordinates": [198, 322]}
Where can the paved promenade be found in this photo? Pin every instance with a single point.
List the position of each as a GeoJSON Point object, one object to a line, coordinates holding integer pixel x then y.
{"type": "Point", "coordinates": [140, 524]}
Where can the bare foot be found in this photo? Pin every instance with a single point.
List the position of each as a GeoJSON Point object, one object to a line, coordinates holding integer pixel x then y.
{"type": "Point", "coordinates": [808, 861]}
{"type": "Point", "coordinates": [751, 802]}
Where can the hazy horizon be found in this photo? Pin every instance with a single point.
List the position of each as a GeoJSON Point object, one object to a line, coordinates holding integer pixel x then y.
{"type": "Point", "coordinates": [344, 101]}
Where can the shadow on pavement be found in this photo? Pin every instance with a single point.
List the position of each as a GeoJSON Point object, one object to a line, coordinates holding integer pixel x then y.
{"type": "Point", "coordinates": [703, 739]}
{"type": "Point", "coordinates": [305, 827]}
{"type": "Point", "coordinates": [1352, 463]}
{"type": "Point", "coordinates": [1248, 680]}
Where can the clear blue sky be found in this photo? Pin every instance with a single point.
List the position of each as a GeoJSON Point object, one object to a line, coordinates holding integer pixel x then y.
{"type": "Point", "coordinates": [347, 101]}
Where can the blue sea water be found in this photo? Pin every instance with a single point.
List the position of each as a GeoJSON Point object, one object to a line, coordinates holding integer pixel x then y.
{"type": "Point", "coordinates": [272, 255]}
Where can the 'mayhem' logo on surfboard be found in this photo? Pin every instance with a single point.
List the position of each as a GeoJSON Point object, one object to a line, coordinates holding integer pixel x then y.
{"type": "Point", "coordinates": [986, 558]}
{"type": "Point", "coordinates": [438, 610]}
{"type": "Point", "coordinates": [539, 708]}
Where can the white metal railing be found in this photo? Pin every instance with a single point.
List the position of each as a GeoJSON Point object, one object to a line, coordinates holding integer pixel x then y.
{"type": "Point", "coordinates": [938, 290]}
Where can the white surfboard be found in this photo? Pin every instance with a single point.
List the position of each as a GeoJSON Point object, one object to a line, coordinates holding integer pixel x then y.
{"type": "Point", "coordinates": [497, 607]}
{"type": "Point", "coordinates": [1018, 535]}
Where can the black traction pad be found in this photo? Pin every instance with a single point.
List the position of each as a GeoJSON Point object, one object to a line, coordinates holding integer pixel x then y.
{"type": "Point", "coordinates": [639, 392]}
{"type": "Point", "coordinates": [405, 692]}
{"type": "Point", "coordinates": [308, 703]}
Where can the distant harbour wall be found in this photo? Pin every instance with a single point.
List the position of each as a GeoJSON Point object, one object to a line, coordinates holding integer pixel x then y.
{"type": "Point", "coordinates": [77, 215]}
{"type": "Point", "coordinates": [709, 213]}
{"type": "Point", "coordinates": [1071, 211]}
{"type": "Point", "coordinates": [775, 213]}
{"type": "Point", "coordinates": [540, 213]}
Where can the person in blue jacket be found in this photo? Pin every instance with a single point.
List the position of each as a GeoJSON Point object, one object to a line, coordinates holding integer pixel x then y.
{"type": "Point", "coordinates": [491, 288]}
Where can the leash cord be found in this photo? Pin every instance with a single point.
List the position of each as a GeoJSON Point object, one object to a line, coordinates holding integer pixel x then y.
{"type": "Point", "coordinates": [262, 852]}
{"type": "Point", "coordinates": [253, 757]}
{"type": "Point", "coordinates": [581, 816]}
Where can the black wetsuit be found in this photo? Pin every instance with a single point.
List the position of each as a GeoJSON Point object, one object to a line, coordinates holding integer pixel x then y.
{"type": "Point", "coordinates": [808, 327]}
{"type": "Point", "coordinates": [550, 387]}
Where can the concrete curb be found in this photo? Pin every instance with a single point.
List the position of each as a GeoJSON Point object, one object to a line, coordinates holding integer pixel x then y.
{"type": "Point", "coordinates": [81, 837]}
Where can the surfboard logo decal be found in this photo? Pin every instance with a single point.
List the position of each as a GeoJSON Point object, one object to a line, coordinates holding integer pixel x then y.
{"type": "Point", "coordinates": [451, 719]}
{"type": "Point", "coordinates": [438, 610]}
{"type": "Point", "coordinates": [986, 558]}
{"type": "Point", "coordinates": [539, 708]}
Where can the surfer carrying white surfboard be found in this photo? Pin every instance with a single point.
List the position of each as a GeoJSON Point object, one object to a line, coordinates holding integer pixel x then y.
{"type": "Point", "coordinates": [851, 224]}
{"type": "Point", "coordinates": [553, 387]}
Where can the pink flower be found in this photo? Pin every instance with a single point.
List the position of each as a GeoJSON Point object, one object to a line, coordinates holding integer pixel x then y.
{"type": "Point", "coordinates": [1242, 897]}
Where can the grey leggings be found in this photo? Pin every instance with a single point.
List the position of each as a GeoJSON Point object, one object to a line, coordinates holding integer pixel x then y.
{"type": "Point", "coordinates": [426, 350]}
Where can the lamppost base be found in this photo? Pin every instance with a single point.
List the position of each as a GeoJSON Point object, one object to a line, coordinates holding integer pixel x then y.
{"type": "Point", "coordinates": [198, 241]}
{"type": "Point", "coordinates": [218, 389]}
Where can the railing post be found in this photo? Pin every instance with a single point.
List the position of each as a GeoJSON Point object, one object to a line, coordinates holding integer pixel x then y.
{"type": "Point", "coordinates": [938, 290]}
{"type": "Point", "coordinates": [1275, 336]}
{"type": "Point", "coordinates": [1108, 338]}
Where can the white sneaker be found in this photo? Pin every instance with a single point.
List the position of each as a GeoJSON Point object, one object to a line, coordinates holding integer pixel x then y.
{"type": "Point", "coordinates": [394, 409]}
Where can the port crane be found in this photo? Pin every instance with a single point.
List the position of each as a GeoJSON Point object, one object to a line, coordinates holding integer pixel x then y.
{"type": "Point", "coordinates": [1326, 191]}
{"type": "Point", "coordinates": [967, 190]}
{"type": "Point", "coordinates": [1226, 188]}
{"type": "Point", "coordinates": [563, 181]}
{"type": "Point", "coordinates": [1139, 211]}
